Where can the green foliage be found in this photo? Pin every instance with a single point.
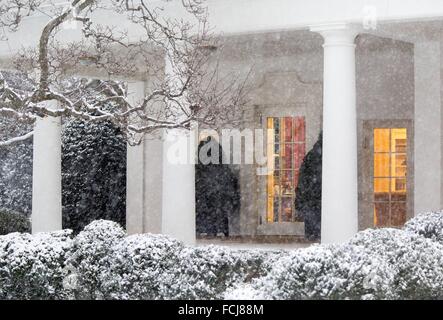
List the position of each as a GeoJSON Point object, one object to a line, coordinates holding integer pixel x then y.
{"type": "Point", "coordinates": [16, 177]}
{"type": "Point", "coordinates": [93, 174]}
{"type": "Point", "coordinates": [13, 222]}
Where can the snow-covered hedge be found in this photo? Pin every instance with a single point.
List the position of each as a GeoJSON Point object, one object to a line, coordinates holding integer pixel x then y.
{"type": "Point", "coordinates": [429, 225]}
{"type": "Point", "coordinates": [207, 272]}
{"type": "Point", "coordinates": [141, 266]}
{"type": "Point", "coordinates": [375, 264]}
{"type": "Point", "coordinates": [102, 262]}
{"type": "Point", "coordinates": [34, 266]}
{"type": "Point", "coordinates": [150, 266]}
{"type": "Point", "coordinates": [89, 260]}
{"type": "Point", "coordinates": [322, 272]}
{"type": "Point", "coordinates": [416, 262]}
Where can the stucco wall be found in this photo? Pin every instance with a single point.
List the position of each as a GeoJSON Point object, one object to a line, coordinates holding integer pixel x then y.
{"type": "Point", "coordinates": [427, 121]}
{"type": "Point", "coordinates": [385, 97]}
{"type": "Point", "coordinates": [286, 79]}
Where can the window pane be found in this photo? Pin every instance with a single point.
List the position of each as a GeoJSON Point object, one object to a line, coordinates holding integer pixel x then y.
{"type": "Point", "coordinates": [398, 214]}
{"type": "Point", "coordinates": [275, 189]}
{"type": "Point", "coordinates": [276, 209]}
{"type": "Point", "coordinates": [381, 140]}
{"type": "Point", "coordinates": [287, 129]}
{"type": "Point", "coordinates": [270, 123]}
{"type": "Point", "coordinates": [287, 179]}
{"type": "Point", "coordinates": [381, 185]}
{"type": "Point", "coordinates": [277, 130]}
{"type": "Point", "coordinates": [399, 165]}
{"type": "Point", "coordinates": [398, 196]}
{"type": "Point", "coordinates": [398, 140]}
{"type": "Point", "coordinates": [277, 163]}
{"type": "Point", "coordinates": [287, 156]}
{"type": "Point", "coordinates": [381, 214]}
{"type": "Point", "coordinates": [390, 161]}
{"type": "Point", "coordinates": [286, 209]}
{"type": "Point", "coordinates": [398, 185]}
{"type": "Point", "coordinates": [381, 165]}
{"type": "Point", "coordinates": [299, 129]}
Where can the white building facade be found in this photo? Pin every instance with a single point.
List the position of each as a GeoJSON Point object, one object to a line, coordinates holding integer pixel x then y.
{"type": "Point", "coordinates": [365, 73]}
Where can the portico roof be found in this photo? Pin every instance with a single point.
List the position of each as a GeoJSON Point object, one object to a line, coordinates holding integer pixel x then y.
{"type": "Point", "coordinates": [258, 16]}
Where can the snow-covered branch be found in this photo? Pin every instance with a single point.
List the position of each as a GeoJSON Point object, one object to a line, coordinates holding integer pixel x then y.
{"type": "Point", "coordinates": [17, 139]}
{"type": "Point", "coordinates": [192, 92]}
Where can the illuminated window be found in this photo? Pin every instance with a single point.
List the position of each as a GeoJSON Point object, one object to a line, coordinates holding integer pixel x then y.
{"type": "Point", "coordinates": [285, 150]}
{"type": "Point", "coordinates": [390, 168]}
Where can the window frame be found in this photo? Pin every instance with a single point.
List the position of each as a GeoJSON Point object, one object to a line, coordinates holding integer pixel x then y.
{"type": "Point", "coordinates": [391, 177]}
{"type": "Point", "coordinates": [297, 150]}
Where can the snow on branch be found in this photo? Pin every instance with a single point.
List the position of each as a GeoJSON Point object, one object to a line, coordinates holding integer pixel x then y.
{"type": "Point", "coordinates": [17, 139]}
{"type": "Point", "coordinates": [193, 91]}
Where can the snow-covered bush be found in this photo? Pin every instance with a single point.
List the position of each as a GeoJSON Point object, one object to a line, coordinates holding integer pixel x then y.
{"type": "Point", "coordinates": [102, 262]}
{"type": "Point", "coordinates": [243, 291]}
{"type": "Point", "coordinates": [141, 267]}
{"type": "Point", "coordinates": [429, 225]}
{"type": "Point", "coordinates": [93, 173]}
{"type": "Point", "coordinates": [375, 264]}
{"type": "Point", "coordinates": [13, 222]}
{"type": "Point", "coordinates": [416, 262]}
{"type": "Point", "coordinates": [323, 272]}
{"type": "Point", "coordinates": [33, 266]}
{"type": "Point", "coordinates": [206, 272]}
{"type": "Point", "coordinates": [89, 262]}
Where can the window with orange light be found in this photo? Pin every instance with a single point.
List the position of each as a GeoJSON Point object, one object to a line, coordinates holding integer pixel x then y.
{"type": "Point", "coordinates": [286, 148]}
{"type": "Point", "coordinates": [390, 177]}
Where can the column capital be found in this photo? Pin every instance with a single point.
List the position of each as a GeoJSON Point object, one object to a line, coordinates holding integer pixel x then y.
{"type": "Point", "coordinates": [337, 34]}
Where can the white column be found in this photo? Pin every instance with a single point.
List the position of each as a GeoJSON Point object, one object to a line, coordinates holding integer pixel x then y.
{"type": "Point", "coordinates": [178, 206]}
{"type": "Point", "coordinates": [160, 182]}
{"type": "Point", "coordinates": [178, 218]}
{"type": "Point", "coordinates": [340, 180]}
{"type": "Point", "coordinates": [135, 172]}
{"type": "Point", "coordinates": [144, 176]}
{"type": "Point", "coordinates": [46, 174]}
{"type": "Point", "coordinates": [427, 128]}
{"type": "Point", "coordinates": [153, 177]}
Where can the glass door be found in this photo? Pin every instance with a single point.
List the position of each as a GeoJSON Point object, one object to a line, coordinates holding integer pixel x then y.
{"type": "Point", "coordinates": [286, 147]}
{"type": "Point", "coordinates": [390, 178]}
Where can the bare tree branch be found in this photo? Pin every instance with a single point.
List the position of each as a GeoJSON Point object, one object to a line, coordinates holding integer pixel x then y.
{"type": "Point", "coordinates": [194, 90]}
